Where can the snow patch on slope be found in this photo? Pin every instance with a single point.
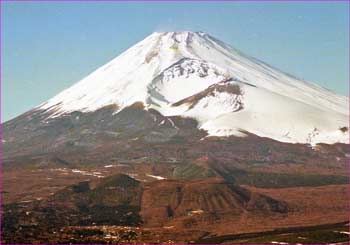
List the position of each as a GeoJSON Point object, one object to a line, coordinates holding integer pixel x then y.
{"type": "Point", "coordinates": [183, 79]}
{"type": "Point", "coordinates": [268, 114]}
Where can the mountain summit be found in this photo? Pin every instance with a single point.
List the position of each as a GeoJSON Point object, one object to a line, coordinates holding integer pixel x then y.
{"type": "Point", "coordinates": [194, 75]}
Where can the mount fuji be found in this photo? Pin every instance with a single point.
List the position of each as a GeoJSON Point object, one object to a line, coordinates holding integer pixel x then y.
{"type": "Point", "coordinates": [194, 75]}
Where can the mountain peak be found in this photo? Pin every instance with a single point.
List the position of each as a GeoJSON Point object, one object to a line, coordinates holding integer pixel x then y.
{"type": "Point", "coordinates": [184, 32]}
{"type": "Point", "coordinates": [180, 36]}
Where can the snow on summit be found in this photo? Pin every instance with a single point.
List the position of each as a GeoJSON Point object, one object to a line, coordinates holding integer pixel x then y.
{"type": "Point", "coordinates": [192, 74]}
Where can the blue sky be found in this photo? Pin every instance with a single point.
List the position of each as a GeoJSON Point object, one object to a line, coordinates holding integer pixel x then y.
{"type": "Point", "coordinates": [47, 46]}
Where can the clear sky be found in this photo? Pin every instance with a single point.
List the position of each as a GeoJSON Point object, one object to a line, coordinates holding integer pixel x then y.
{"type": "Point", "coordinates": [47, 46]}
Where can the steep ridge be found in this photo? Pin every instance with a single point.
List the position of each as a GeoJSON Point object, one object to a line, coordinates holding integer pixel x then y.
{"type": "Point", "coordinates": [209, 197]}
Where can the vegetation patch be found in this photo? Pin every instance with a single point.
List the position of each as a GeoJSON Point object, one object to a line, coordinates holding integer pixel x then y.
{"type": "Point", "coordinates": [280, 180]}
{"type": "Point", "coordinates": [192, 171]}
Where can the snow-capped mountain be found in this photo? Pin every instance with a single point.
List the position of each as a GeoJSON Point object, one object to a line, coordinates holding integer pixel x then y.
{"type": "Point", "coordinates": [192, 74]}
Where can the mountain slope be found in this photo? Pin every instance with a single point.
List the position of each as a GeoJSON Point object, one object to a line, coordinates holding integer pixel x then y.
{"type": "Point", "coordinates": [184, 74]}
